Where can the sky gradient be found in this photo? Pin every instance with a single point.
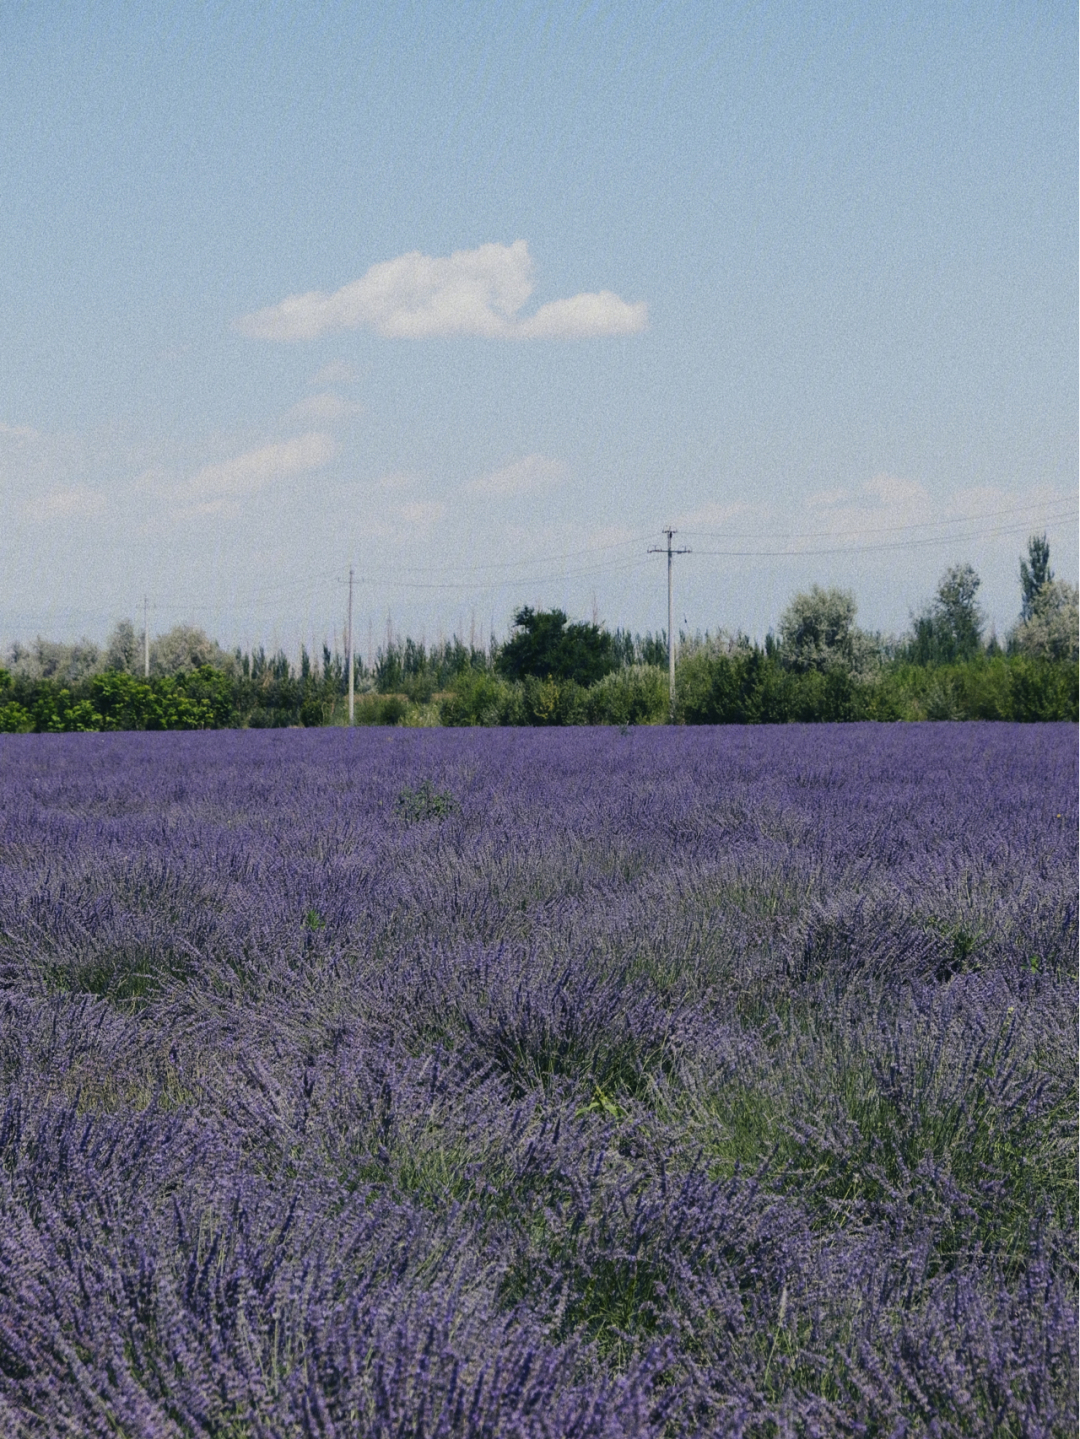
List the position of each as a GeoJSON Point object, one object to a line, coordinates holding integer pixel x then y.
{"type": "Point", "coordinates": [478, 298]}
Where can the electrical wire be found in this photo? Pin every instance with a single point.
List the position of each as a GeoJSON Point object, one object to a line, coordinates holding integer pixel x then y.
{"type": "Point", "coordinates": [977, 535]}
{"type": "Point", "coordinates": [320, 586]}
{"type": "Point", "coordinates": [896, 529]}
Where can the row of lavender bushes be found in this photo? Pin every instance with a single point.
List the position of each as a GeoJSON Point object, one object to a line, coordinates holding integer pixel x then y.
{"type": "Point", "coordinates": [673, 1082]}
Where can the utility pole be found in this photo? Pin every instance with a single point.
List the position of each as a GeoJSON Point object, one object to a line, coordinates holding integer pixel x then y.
{"type": "Point", "coordinates": [659, 550]}
{"type": "Point", "coordinates": [146, 636]}
{"type": "Point", "coordinates": [351, 687]}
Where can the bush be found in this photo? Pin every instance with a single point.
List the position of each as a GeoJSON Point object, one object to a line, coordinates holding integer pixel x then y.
{"type": "Point", "coordinates": [719, 688]}
{"type": "Point", "coordinates": [14, 719]}
{"type": "Point", "coordinates": [544, 647]}
{"type": "Point", "coordinates": [555, 702]}
{"type": "Point", "coordinates": [635, 695]}
{"type": "Point", "coordinates": [1040, 690]}
{"type": "Point", "coordinates": [989, 688]}
{"type": "Point", "coordinates": [378, 709]}
{"type": "Point", "coordinates": [477, 698]}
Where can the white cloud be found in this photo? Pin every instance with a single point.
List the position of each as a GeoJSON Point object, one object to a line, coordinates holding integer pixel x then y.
{"type": "Point", "coordinates": [248, 473]}
{"type": "Point", "coordinates": [523, 477]}
{"type": "Point", "coordinates": [585, 317]}
{"type": "Point", "coordinates": [77, 503]}
{"type": "Point", "coordinates": [337, 372]}
{"type": "Point", "coordinates": [472, 292]}
{"type": "Point", "coordinates": [327, 406]}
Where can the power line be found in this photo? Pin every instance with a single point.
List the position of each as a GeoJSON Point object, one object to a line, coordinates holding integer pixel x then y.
{"type": "Point", "coordinates": [994, 533]}
{"type": "Point", "coordinates": [517, 564]}
{"type": "Point", "coordinates": [523, 571]}
{"type": "Point", "coordinates": [914, 525]}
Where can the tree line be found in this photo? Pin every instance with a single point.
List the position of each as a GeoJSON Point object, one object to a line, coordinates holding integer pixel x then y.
{"type": "Point", "coordinates": [817, 665]}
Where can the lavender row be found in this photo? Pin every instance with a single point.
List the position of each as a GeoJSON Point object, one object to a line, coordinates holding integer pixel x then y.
{"type": "Point", "coordinates": [539, 1083]}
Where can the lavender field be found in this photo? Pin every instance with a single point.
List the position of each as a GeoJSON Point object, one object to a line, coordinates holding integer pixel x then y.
{"type": "Point", "coordinates": [539, 1082]}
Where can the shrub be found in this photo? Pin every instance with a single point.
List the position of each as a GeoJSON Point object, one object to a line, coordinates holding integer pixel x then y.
{"type": "Point", "coordinates": [14, 719]}
{"type": "Point", "coordinates": [635, 695]}
{"type": "Point", "coordinates": [544, 646]}
{"type": "Point", "coordinates": [478, 698]}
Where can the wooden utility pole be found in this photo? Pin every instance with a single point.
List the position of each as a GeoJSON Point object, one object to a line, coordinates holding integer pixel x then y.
{"type": "Point", "coordinates": [352, 690]}
{"type": "Point", "coordinates": [146, 636]}
{"type": "Point", "coordinates": [659, 550]}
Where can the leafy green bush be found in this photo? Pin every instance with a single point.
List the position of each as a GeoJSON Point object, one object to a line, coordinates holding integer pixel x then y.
{"type": "Point", "coordinates": [1043, 690]}
{"type": "Point", "coordinates": [424, 802]}
{"type": "Point", "coordinates": [992, 687]}
{"type": "Point", "coordinates": [14, 719]}
{"type": "Point", "coordinates": [555, 702]}
{"type": "Point", "coordinates": [479, 698]}
{"type": "Point", "coordinates": [755, 688]}
{"type": "Point", "coordinates": [544, 646]}
{"type": "Point", "coordinates": [637, 694]}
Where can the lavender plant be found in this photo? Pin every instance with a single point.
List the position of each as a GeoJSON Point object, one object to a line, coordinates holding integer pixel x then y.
{"type": "Point", "coordinates": [539, 1082]}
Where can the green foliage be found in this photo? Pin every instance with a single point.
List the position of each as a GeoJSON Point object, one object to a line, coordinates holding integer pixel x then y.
{"type": "Point", "coordinates": [72, 716]}
{"type": "Point", "coordinates": [420, 673]}
{"type": "Point", "coordinates": [631, 649]}
{"type": "Point", "coordinates": [820, 669]}
{"type": "Point", "coordinates": [756, 688]}
{"type": "Point", "coordinates": [200, 699]}
{"type": "Point", "coordinates": [635, 695]}
{"type": "Point", "coordinates": [1035, 574]}
{"type": "Point", "coordinates": [424, 802]}
{"type": "Point", "coordinates": [14, 719]}
{"type": "Point", "coordinates": [485, 699]}
{"type": "Point", "coordinates": [552, 701]}
{"type": "Point", "coordinates": [818, 632]}
{"type": "Point", "coordinates": [988, 688]}
{"type": "Point", "coordinates": [476, 698]}
{"type": "Point", "coordinates": [545, 646]}
{"type": "Point", "coordinates": [122, 648]}
{"type": "Point", "coordinates": [183, 649]}
{"type": "Point", "coordinates": [58, 663]}
{"type": "Point", "coordinates": [369, 709]}
{"type": "Point", "coordinates": [1042, 690]}
{"type": "Point", "coordinates": [1050, 628]}
{"type": "Point", "coordinates": [950, 627]}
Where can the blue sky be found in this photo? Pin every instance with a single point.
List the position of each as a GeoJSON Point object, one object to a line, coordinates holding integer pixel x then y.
{"type": "Point", "coordinates": [479, 297]}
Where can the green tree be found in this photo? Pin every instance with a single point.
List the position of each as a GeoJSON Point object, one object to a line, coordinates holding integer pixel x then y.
{"type": "Point", "coordinates": [122, 648]}
{"type": "Point", "coordinates": [1035, 574]}
{"type": "Point", "coordinates": [818, 632]}
{"type": "Point", "coordinates": [1051, 629]}
{"type": "Point", "coordinates": [950, 627]}
{"type": "Point", "coordinates": [184, 648]}
{"type": "Point", "coordinates": [546, 647]}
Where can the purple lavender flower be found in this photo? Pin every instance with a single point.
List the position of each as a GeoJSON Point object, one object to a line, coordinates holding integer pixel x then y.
{"type": "Point", "coordinates": [683, 1082]}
